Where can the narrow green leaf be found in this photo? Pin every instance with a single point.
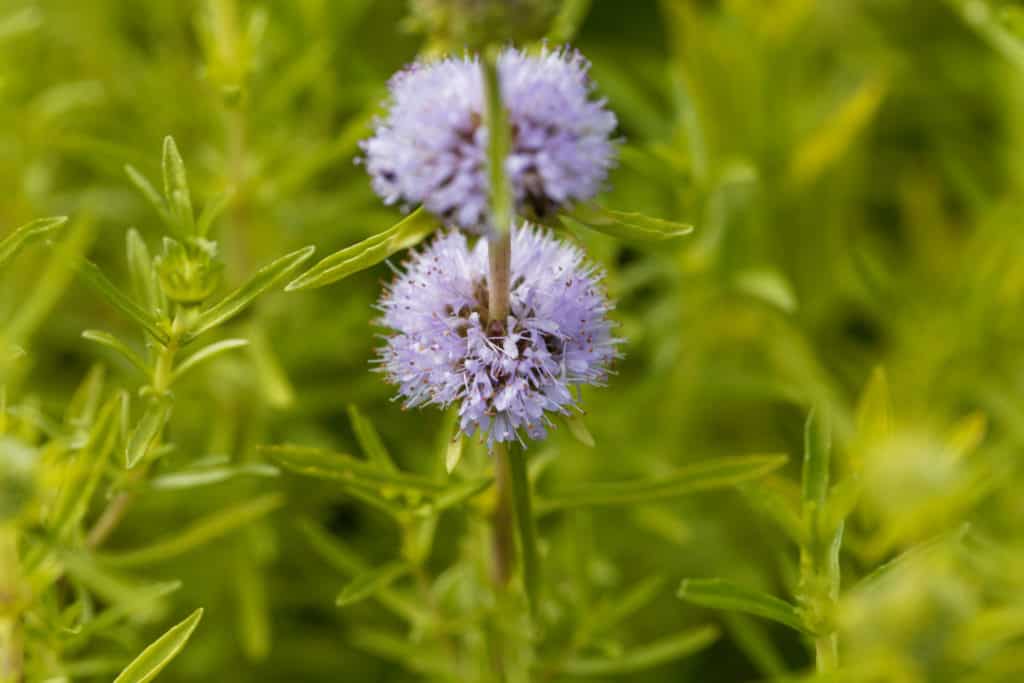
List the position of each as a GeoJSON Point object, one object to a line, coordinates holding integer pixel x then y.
{"type": "Point", "coordinates": [369, 439]}
{"type": "Point", "coordinates": [568, 21]}
{"type": "Point", "coordinates": [82, 407]}
{"type": "Point", "coordinates": [453, 452]}
{"type": "Point", "coordinates": [95, 278]}
{"type": "Point", "coordinates": [176, 188]}
{"type": "Point", "coordinates": [371, 251]}
{"type": "Point", "coordinates": [198, 533]}
{"type": "Point", "coordinates": [625, 225]}
{"type": "Point", "coordinates": [112, 342]}
{"type": "Point", "coordinates": [344, 468]}
{"type": "Point", "coordinates": [10, 245]}
{"type": "Point", "coordinates": [151, 194]}
{"type": "Point", "coordinates": [610, 614]}
{"type": "Point", "coordinates": [817, 454]}
{"type": "Point", "coordinates": [368, 583]}
{"type": "Point", "coordinates": [724, 594]}
{"type": "Point", "coordinates": [211, 212]}
{"type": "Point", "coordinates": [702, 476]}
{"type": "Point", "coordinates": [145, 284]}
{"type": "Point", "coordinates": [233, 303]}
{"type": "Point", "coordinates": [579, 430]}
{"type": "Point", "coordinates": [206, 476]}
{"type": "Point", "coordinates": [646, 656]}
{"type": "Point", "coordinates": [160, 653]}
{"type": "Point", "coordinates": [206, 353]}
{"type": "Point", "coordinates": [148, 430]}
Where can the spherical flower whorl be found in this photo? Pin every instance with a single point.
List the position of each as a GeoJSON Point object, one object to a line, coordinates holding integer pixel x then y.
{"type": "Point", "coordinates": [505, 375]}
{"type": "Point", "coordinates": [431, 148]}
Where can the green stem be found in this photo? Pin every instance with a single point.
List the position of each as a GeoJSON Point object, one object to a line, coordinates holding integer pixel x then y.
{"type": "Point", "coordinates": [527, 532]}
{"type": "Point", "coordinates": [11, 653]}
{"type": "Point", "coordinates": [503, 547]}
{"type": "Point", "coordinates": [826, 653]}
{"type": "Point", "coordinates": [498, 144]}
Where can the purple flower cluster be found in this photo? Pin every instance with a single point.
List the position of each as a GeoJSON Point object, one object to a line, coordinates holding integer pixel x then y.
{"type": "Point", "coordinates": [431, 149]}
{"type": "Point", "coordinates": [506, 375]}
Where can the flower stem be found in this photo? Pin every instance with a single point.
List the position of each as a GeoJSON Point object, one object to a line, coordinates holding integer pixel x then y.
{"type": "Point", "coordinates": [527, 532]}
{"type": "Point", "coordinates": [503, 543]}
{"type": "Point", "coordinates": [826, 653]}
{"type": "Point", "coordinates": [11, 655]}
{"type": "Point", "coordinates": [498, 143]}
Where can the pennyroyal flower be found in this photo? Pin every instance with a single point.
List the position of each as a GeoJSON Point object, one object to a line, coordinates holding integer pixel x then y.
{"type": "Point", "coordinates": [431, 148]}
{"type": "Point", "coordinates": [506, 376]}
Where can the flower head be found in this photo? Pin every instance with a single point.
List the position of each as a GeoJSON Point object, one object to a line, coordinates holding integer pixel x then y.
{"type": "Point", "coordinates": [505, 375]}
{"type": "Point", "coordinates": [431, 149]}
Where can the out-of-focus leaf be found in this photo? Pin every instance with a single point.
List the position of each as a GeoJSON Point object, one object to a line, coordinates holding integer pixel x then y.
{"type": "Point", "coordinates": [368, 583]}
{"type": "Point", "coordinates": [233, 303]}
{"type": "Point", "coordinates": [112, 342]}
{"type": "Point", "coordinates": [568, 21]}
{"type": "Point", "coordinates": [145, 283]}
{"type": "Point", "coordinates": [95, 278]}
{"type": "Point", "coordinates": [579, 430]}
{"type": "Point", "coordinates": [340, 467]}
{"type": "Point", "coordinates": [645, 656]}
{"type": "Point", "coordinates": [369, 439]}
{"type": "Point", "coordinates": [751, 636]}
{"type": "Point", "coordinates": [85, 402]}
{"type": "Point", "coordinates": [723, 594]}
{"type": "Point", "coordinates": [625, 225]}
{"type": "Point", "coordinates": [817, 456]}
{"type": "Point", "coordinates": [159, 654]}
{"type": "Point", "coordinates": [176, 190]}
{"type": "Point", "coordinates": [608, 615]}
{"type": "Point", "coordinates": [778, 499]}
{"type": "Point", "coordinates": [193, 478]}
{"type": "Point", "coordinates": [10, 245]}
{"type": "Point", "coordinates": [145, 187]}
{"type": "Point", "coordinates": [148, 430]}
{"type": "Point", "coordinates": [453, 452]}
{"type": "Point", "coordinates": [967, 434]}
{"type": "Point", "coordinates": [206, 353]}
{"type": "Point", "coordinates": [702, 476]}
{"type": "Point", "coordinates": [418, 658]}
{"type": "Point", "coordinates": [211, 212]}
{"type": "Point", "coordinates": [371, 251]}
{"type": "Point", "coordinates": [198, 533]}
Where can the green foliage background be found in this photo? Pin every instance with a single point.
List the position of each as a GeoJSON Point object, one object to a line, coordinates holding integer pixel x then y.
{"type": "Point", "coordinates": [853, 170]}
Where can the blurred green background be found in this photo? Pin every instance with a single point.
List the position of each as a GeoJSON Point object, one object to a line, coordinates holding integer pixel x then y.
{"type": "Point", "coordinates": [854, 172]}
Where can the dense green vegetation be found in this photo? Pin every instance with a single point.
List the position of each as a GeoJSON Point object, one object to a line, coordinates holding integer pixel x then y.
{"type": "Point", "coordinates": [806, 466]}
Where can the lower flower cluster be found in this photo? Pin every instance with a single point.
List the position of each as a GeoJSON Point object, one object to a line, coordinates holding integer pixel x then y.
{"type": "Point", "coordinates": [506, 375]}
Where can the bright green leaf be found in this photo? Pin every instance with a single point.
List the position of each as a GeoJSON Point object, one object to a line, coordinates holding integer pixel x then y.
{"type": "Point", "coordinates": [233, 303]}
{"type": "Point", "coordinates": [206, 353]}
{"type": "Point", "coordinates": [368, 583]}
{"type": "Point", "coordinates": [369, 439]}
{"type": "Point", "coordinates": [702, 476]}
{"type": "Point", "coordinates": [112, 342]}
{"type": "Point", "coordinates": [724, 594]}
{"type": "Point", "coordinates": [160, 653]}
{"type": "Point", "coordinates": [371, 251]}
{"type": "Point", "coordinates": [148, 430]}
{"type": "Point", "coordinates": [95, 278]}
{"type": "Point", "coordinates": [176, 188]}
{"type": "Point", "coordinates": [10, 245]}
{"type": "Point", "coordinates": [625, 225]}
{"type": "Point", "coordinates": [645, 656]}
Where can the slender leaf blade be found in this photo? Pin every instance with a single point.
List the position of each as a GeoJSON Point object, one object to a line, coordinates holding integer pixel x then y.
{"type": "Point", "coordinates": [724, 594]}
{"type": "Point", "coordinates": [369, 583]}
{"type": "Point", "coordinates": [647, 656]}
{"type": "Point", "coordinates": [624, 224]}
{"type": "Point", "coordinates": [147, 432]}
{"type": "Point", "coordinates": [10, 245]}
{"type": "Point", "coordinates": [159, 654]}
{"type": "Point", "coordinates": [368, 253]}
{"type": "Point", "coordinates": [95, 278]}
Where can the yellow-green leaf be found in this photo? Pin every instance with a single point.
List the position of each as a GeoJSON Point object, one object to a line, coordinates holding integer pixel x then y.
{"type": "Point", "coordinates": [159, 654]}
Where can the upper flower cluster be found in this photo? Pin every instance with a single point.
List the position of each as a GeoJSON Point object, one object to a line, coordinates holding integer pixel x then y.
{"type": "Point", "coordinates": [505, 374]}
{"type": "Point", "coordinates": [431, 148]}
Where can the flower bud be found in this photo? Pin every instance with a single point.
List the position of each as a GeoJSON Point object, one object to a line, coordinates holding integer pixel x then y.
{"type": "Point", "coordinates": [189, 272]}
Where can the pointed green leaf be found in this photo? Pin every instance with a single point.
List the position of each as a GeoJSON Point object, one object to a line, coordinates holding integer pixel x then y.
{"type": "Point", "coordinates": [645, 656]}
{"type": "Point", "coordinates": [368, 583]}
{"type": "Point", "coordinates": [371, 251]}
{"type": "Point", "coordinates": [206, 476]}
{"type": "Point", "coordinates": [625, 225]}
{"type": "Point", "coordinates": [369, 439]}
{"type": "Point", "coordinates": [817, 456]}
{"type": "Point", "coordinates": [159, 654]}
{"type": "Point", "coordinates": [724, 594]}
{"type": "Point", "coordinates": [151, 194]}
{"type": "Point", "coordinates": [233, 303]}
{"type": "Point", "coordinates": [702, 476]}
{"type": "Point", "coordinates": [176, 188]}
{"type": "Point", "coordinates": [198, 533]}
{"type": "Point", "coordinates": [147, 432]}
{"type": "Point", "coordinates": [344, 468]}
{"type": "Point", "coordinates": [579, 430]}
{"type": "Point", "coordinates": [211, 212]}
{"type": "Point", "coordinates": [10, 245]}
{"type": "Point", "coordinates": [145, 284]}
{"type": "Point", "coordinates": [206, 353]}
{"type": "Point", "coordinates": [95, 278]}
{"type": "Point", "coordinates": [453, 452]}
{"type": "Point", "coordinates": [112, 342]}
